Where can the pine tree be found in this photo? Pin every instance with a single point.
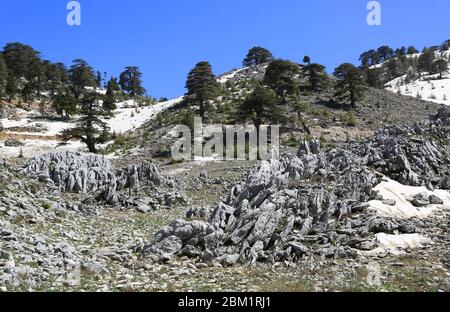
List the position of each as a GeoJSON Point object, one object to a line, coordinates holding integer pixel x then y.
{"type": "Point", "coordinates": [3, 77]}
{"type": "Point", "coordinates": [257, 56]}
{"type": "Point", "coordinates": [317, 77]}
{"type": "Point", "coordinates": [19, 58]}
{"type": "Point", "coordinates": [90, 128]}
{"type": "Point", "coordinates": [400, 52]}
{"type": "Point", "coordinates": [201, 86]}
{"type": "Point", "coordinates": [426, 59]}
{"type": "Point", "coordinates": [350, 84]}
{"type": "Point", "coordinates": [11, 87]}
{"type": "Point", "coordinates": [280, 76]}
{"type": "Point", "coordinates": [131, 81]}
{"type": "Point", "coordinates": [81, 76]}
{"type": "Point", "coordinates": [385, 53]}
{"type": "Point", "coordinates": [109, 103]}
{"type": "Point", "coordinates": [114, 84]}
{"type": "Point", "coordinates": [412, 50]}
{"type": "Point", "coordinates": [440, 66]}
{"type": "Point", "coordinates": [365, 59]}
{"type": "Point", "coordinates": [64, 103]}
{"type": "Point", "coordinates": [37, 79]}
{"type": "Point", "coordinates": [445, 45]}
{"type": "Point", "coordinates": [63, 73]}
{"type": "Point", "coordinates": [369, 58]}
{"type": "Point", "coordinates": [374, 57]}
{"type": "Point", "coordinates": [259, 107]}
{"type": "Point", "coordinates": [393, 69]}
{"type": "Point", "coordinates": [54, 77]}
{"type": "Point", "coordinates": [306, 59]}
{"type": "Point", "coordinates": [374, 77]}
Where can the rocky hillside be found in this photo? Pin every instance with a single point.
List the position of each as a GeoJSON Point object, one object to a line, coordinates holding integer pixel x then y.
{"type": "Point", "coordinates": [316, 116]}
{"type": "Point", "coordinates": [315, 202]}
{"type": "Point", "coordinates": [360, 189]}
{"type": "Point", "coordinates": [313, 220]}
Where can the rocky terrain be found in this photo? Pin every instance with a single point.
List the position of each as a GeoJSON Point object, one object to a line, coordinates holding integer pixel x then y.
{"type": "Point", "coordinates": [315, 220]}
{"type": "Point", "coordinates": [358, 201]}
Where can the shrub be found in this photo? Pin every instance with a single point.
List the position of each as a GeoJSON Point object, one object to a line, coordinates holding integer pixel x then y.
{"type": "Point", "coordinates": [351, 119]}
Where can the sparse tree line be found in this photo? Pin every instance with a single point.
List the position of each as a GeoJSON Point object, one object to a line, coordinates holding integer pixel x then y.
{"type": "Point", "coordinates": [26, 76]}
{"type": "Point", "coordinates": [283, 81]}
{"type": "Point", "coordinates": [385, 64]}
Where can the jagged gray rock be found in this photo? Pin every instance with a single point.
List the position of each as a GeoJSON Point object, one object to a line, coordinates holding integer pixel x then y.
{"type": "Point", "coordinates": [292, 207]}
{"type": "Point", "coordinates": [89, 173]}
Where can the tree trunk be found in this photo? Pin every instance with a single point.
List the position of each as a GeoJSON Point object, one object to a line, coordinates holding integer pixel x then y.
{"type": "Point", "coordinates": [91, 145]}
{"type": "Point", "coordinates": [202, 110]}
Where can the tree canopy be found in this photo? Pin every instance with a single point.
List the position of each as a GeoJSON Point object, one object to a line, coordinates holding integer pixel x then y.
{"type": "Point", "coordinates": [202, 86]}
{"type": "Point", "coordinates": [90, 128]}
{"type": "Point", "coordinates": [280, 76]}
{"type": "Point", "coordinates": [19, 58]}
{"type": "Point", "coordinates": [257, 56]}
{"type": "Point", "coordinates": [350, 84]}
{"type": "Point", "coordinates": [131, 81]}
{"type": "Point", "coordinates": [81, 76]}
{"type": "Point", "coordinates": [260, 107]}
{"type": "Point", "coordinates": [317, 77]}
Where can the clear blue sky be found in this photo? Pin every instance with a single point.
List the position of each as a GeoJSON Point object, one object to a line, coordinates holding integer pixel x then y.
{"type": "Point", "coordinates": [167, 37]}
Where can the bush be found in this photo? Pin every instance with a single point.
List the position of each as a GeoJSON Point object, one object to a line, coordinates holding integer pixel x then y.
{"type": "Point", "coordinates": [292, 141]}
{"type": "Point", "coordinates": [186, 117]}
{"type": "Point", "coordinates": [351, 119]}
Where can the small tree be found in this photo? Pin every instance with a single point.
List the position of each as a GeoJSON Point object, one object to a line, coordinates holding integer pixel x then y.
{"type": "Point", "coordinates": [280, 76]}
{"type": "Point", "coordinates": [351, 119]}
{"type": "Point", "coordinates": [90, 128]}
{"type": "Point", "coordinates": [426, 59]}
{"type": "Point", "coordinates": [114, 84]}
{"type": "Point", "coordinates": [259, 107]}
{"type": "Point", "coordinates": [317, 77]}
{"type": "Point", "coordinates": [109, 103]}
{"type": "Point", "coordinates": [350, 84]}
{"type": "Point", "coordinates": [64, 103]}
{"type": "Point", "coordinates": [440, 66]}
{"type": "Point", "coordinates": [256, 56]}
{"type": "Point", "coordinates": [393, 68]}
{"type": "Point", "coordinates": [374, 77]}
{"type": "Point", "coordinates": [306, 59]}
{"type": "Point", "coordinates": [201, 86]}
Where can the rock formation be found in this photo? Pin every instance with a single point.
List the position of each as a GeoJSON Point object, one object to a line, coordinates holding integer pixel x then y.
{"type": "Point", "coordinates": [302, 204]}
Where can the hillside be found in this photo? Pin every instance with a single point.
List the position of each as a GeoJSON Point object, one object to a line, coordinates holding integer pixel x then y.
{"type": "Point", "coordinates": [362, 183]}
{"type": "Point", "coordinates": [421, 75]}
{"type": "Point", "coordinates": [432, 87]}
{"type": "Point", "coordinates": [324, 118]}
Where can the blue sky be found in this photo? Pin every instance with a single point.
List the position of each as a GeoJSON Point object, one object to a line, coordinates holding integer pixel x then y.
{"type": "Point", "coordinates": [166, 38]}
